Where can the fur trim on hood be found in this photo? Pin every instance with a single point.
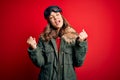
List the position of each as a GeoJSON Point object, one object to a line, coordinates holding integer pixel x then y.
{"type": "Point", "coordinates": [69, 35]}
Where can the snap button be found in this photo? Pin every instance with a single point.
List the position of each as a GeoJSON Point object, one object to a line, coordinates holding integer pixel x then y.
{"type": "Point", "coordinates": [56, 51]}
{"type": "Point", "coordinates": [62, 52]}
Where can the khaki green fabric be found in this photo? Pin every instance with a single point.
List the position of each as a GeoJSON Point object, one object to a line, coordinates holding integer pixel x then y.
{"type": "Point", "coordinates": [56, 65]}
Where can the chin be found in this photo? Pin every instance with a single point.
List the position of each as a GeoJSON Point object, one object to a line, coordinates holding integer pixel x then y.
{"type": "Point", "coordinates": [60, 26]}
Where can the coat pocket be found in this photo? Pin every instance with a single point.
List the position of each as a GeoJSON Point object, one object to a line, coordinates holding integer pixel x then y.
{"type": "Point", "coordinates": [45, 72]}
{"type": "Point", "coordinates": [49, 54]}
{"type": "Point", "coordinates": [68, 56]}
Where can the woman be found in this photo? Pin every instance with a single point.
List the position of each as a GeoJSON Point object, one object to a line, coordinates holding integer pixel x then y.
{"type": "Point", "coordinates": [59, 49]}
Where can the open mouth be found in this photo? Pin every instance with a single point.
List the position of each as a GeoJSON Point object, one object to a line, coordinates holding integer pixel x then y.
{"type": "Point", "coordinates": [57, 22]}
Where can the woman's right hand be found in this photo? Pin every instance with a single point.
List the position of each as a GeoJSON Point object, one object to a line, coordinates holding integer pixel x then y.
{"type": "Point", "coordinates": [32, 42]}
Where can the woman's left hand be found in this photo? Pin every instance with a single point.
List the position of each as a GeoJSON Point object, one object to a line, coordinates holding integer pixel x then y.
{"type": "Point", "coordinates": [83, 36]}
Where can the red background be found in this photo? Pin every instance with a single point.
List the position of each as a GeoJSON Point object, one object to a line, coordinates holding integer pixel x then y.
{"type": "Point", "coordinates": [21, 18]}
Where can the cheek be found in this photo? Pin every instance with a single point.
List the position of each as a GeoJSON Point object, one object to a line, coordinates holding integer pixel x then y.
{"type": "Point", "coordinates": [52, 22]}
{"type": "Point", "coordinates": [62, 21]}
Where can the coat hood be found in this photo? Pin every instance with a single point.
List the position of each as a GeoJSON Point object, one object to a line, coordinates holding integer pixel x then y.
{"type": "Point", "coordinates": [69, 35]}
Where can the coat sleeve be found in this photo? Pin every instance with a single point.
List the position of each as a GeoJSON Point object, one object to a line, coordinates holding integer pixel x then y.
{"type": "Point", "coordinates": [80, 50]}
{"type": "Point", "coordinates": [36, 55]}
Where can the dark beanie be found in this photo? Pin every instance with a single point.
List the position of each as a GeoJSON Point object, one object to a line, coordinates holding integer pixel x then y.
{"type": "Point", "coordinates": [50, 9]}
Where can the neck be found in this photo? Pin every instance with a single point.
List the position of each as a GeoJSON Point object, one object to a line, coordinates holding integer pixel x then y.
{"type": "Point", "coordinates": [58, 30]}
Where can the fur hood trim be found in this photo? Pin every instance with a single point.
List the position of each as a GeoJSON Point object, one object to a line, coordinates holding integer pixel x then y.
{"type": "Point", "coordinates": [70, 35]}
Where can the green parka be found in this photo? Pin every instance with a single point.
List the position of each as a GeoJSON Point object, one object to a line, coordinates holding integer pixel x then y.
{"type": "Point", "coordinates": [60, 65]}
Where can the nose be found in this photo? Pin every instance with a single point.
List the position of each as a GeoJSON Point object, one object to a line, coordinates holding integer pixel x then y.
{"type": "Point", "coordinates": [55, 17]}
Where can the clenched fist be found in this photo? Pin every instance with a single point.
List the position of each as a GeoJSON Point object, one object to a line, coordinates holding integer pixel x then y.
{"type": "Point", "coordinates": [32, 42]}
{"type": "Point", "coordinates": [83, 36]}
